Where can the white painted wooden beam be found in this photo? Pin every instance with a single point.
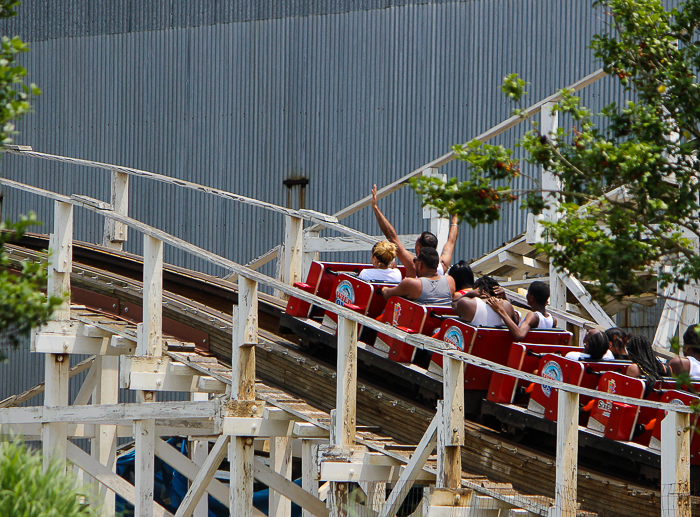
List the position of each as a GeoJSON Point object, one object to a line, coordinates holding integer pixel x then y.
{"type": "Point", "coordinates": [115, 233]}
{"type": "Point", "coordinates": [204, 477]}
{"type": "Point", "coordinates": [61, 258]}
{"type": "Point", "coordinates": [409, 475]}
{"type": "Point", "coordinates": [152, 333]}
{"type": "Point", "coordinates": [281, 463]}
{"type": "Point", "coordinates": [293, 249]}
{"type": "Point", "coordinates": [245, 337]}
{"type": "Point", "coordinates": [585, 299]}
{"type": "Point", "coordinates": [289, 489]}
{"type": "Point", "coordinates": [675, 464]}
{"type": "Point", "coordinates": [51, 343]}
{"type": "Point", "coordinates": [346, 383]}
{"type": "Point", "coordinates": [309, 471]}
{"type": "Point", "coordinates": [108, 478]}
{"type": "Point", "coordinates": [104, 444]}
{"type": "Point", "coordinates": [112, 413]}
{"type": "Point", "coordinates": [240, 455]}
{"type": "Point", "coordinates": [567, 455]}
{"type": "Point", "coordinates": [315, 244]}
{"type": "Point", "coordinates": [54, 434]}
{"type": "Point", "coordinates": [670, 316]}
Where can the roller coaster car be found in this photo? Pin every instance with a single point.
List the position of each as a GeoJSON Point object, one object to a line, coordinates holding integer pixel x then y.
{"type": "Point", "coordinates": [321, 281]}
{"type": "Point", "coordinates": [491, 343]}
{"type": "Point", "coordinates": [616, 420]}
{"type": "Point", "coordinates": [413, 318]}
{"type": "Point", "coordinates": [357, 295]}
{"type": "Point", "coordinates": [543, 400]}
{"type": "Point", "coordinates": [526, 358]}
{"type": "Point", "coordinates": [682, 399]}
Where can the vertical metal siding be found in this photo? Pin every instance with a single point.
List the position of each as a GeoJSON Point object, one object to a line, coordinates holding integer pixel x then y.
{"type": "Point", "coordinates": [348, 99]}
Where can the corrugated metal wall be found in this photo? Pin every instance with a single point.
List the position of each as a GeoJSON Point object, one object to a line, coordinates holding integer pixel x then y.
{"type": "Point", "coordinates": [351, 94]}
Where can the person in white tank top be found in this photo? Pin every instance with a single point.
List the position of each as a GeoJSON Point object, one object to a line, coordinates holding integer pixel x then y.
{"type": "Point", "coordinates": [472, 309]}
{"type": "Point", "coordinates": [691, 349]}
{"type": "Point", "coordinates": [537, 296]}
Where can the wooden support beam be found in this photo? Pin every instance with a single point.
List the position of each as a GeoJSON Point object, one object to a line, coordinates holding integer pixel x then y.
{"type": "Point", "coordinates": [86, 389]}
{"type": "Point", "coordinates": [289, 489]}
{"type": "Point", "coordinates": [451, 429]}
{"type": "Point", "coordinates": [113, 413]}
{"type": "Point", "coordinates": [240, 455]}
{"type": "Point", "coordinates": [309, 471]}
{"type": "Point", "coordinates": [144, 435]}
{"type": "Point", "coordinates": [204, 477]}
{"type": "Point", "coordinates": [346, 387]}
{"type": "Point", "coordinates": [675, 464]}
{"type": "Point", "coordinates": [108, 478]}
{"type": "Point", "coordinates": [410, 473]}
{"type": "Point", "coordinates": [281, 463]}
{"type": "Point", "coordinates": [190, 469]}
{"type": "Point", "coordinates": [439, 226]}
{"type": "Point", "coordinates": [585, 299]}
{"type": "Point", "coordinates": [115, 233]}
{"type": "Point", "coordinates": [245, 337]}
{"type": "Point", "coordinates": [567, 455]}
{"type": "Point", "coordinates": [293, 249]}
{"type": "Point", "coordinates": [549, 122]}
{"type": "Point", "coordinates": [199, 450]}
{"type": "Point", "coordinates": [313, 244]}
{"type": "Point", "coordinates": [54, 434]}
{"type": "Point", "coordinates": [104, 444]}
{"type": "Point", "coordinates": [670, 316]}
{"type": "Point", "coordinates": [75, 344]}
{"type": "Point", "coordinates": [151, 340]}
{"type": "Point", "coordinates": [61, 258]}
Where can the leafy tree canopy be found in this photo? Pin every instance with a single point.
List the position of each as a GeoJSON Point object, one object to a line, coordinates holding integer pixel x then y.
{"type": "Point", "coordinates": [629, 185]}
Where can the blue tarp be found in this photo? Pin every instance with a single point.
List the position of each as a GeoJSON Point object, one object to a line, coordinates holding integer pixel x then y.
{"type": "Point", "coordinates": [170, 486]}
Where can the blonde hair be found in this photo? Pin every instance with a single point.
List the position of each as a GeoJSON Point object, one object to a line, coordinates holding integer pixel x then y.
{"type": "Point", "coordinates": [385, 252]}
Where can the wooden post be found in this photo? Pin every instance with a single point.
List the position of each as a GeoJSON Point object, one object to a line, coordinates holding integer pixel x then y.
{"type": "Point", "coordinates": [150, 343]}
{"type": "Point", "coordinates": [451, 426]}
{"type": "Point", "coordinates": [675, 465]}
{"type": "Point", "coordinates": [309, 477]}
{"type": "Point", "coordinates": [245, 337]}
{"type": "Point", "coordinates": [199, 450]}
{"type": "Point", "coordinates": [61, 258]}
{"type": "Point", "coordinates": [440, 226]}
{"type": "Point", "coordinates": [280, 462]}
{"type": "Point", "coordinates": [293, 250]}
{"type": "Point", "coordinates": [115, 233]}
{"type": "Point", "coordinates": [567, 455]}
{"type": "Point", "coordinates": [152, 298]}
{"type": "Point", "coordinates": [549, 121]}
{"type": "Point", "coordinates": [346, 387]}
{"type": "Point", "coordinates": [56, 366]}
{"type": "Point", "coordinates": [309, 256]}
{"type": "Point", "coordinates": [104, 445]}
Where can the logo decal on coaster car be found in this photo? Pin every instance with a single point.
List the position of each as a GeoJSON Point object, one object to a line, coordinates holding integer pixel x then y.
{"type": "Point", "coordinates": [454, 335]}
{"type": "Point", "coordinates": [344, 294]}
{"type": "Point", "coordinates": [551, 370]}
{"type": "Point", "coordinates": [397, 314]}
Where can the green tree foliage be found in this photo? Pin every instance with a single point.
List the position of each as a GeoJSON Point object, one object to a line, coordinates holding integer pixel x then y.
{"type": "Point", "coordinates": [27, 491]}
{"type": "Point", "coordinates": [629, 195]}
{"type": "Point", "coordinates": [22, 304]}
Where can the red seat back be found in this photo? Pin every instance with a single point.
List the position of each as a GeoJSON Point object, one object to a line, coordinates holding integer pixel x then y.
{"type": "Point", "coordinates": [300, 308]}
{"type": "Point", "coordinates": [613, 419]}
{"type": "Point", "coordinates": [544, 399]}
{"type": "Point", "coordinates": [681, 398]}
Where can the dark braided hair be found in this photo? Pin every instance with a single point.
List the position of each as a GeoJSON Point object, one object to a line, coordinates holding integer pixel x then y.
{"type": "Point", "coordinates": [639, 350]}
{"type": "Point", "coordinates": [486, 284]}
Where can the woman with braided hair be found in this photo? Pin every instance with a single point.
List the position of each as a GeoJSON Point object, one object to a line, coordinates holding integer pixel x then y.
{"type": "Point", "coordinates": [646, 363]}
